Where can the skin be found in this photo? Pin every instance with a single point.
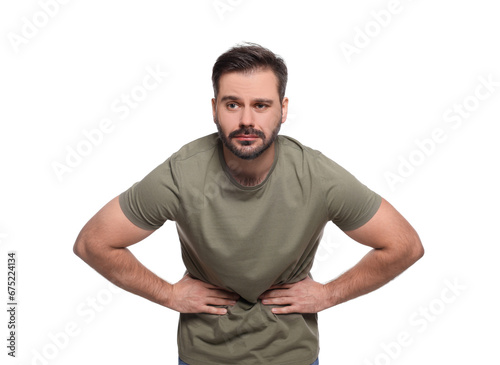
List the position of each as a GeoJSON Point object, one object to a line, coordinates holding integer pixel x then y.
{"type": "Point", "coordinates": [102, 243]}
{"type": "Point", "coordinates": [396, 246]}
{"type": "Point", "coordinates": [248, 100]}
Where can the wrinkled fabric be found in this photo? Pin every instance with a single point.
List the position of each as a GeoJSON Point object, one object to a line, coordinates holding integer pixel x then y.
{"type": "Point", "coordinates": [246, 239]}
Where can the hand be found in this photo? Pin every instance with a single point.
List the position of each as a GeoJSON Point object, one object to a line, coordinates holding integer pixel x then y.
{"type": "Point", "coordinates": [190, 295]}
{"type": "Point", "coordinates": [305, 296]}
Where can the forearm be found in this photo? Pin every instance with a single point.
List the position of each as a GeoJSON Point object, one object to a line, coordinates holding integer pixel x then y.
{"type": "Point", "coordinates": [122, 268]}
{"type": "Point", "coordinates": [375, 269]}
{"type": "Point", "coordinates": [396, 246]}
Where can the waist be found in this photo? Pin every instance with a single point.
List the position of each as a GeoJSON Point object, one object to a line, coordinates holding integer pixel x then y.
{"type": "Point", "coordinates": [248, 333]}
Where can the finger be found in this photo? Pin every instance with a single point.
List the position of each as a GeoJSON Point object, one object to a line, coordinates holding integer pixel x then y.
{"type": "Point", "coordinates": [277, 301]}
{"type": "Point", "coordinates": [220, 301]}
{"type": "Point", "coordinates": [213, 310]}
{"type": "Point", "coordinates": [203, 283]}
{"type": "Point", "coordinates": [223, 294]}
{"type": "Point", "coordinates": [213, 287]}
{"type": "Point", "coordinates": [275, 293]}
{"type": "Point", "coordinates": [285, 310]}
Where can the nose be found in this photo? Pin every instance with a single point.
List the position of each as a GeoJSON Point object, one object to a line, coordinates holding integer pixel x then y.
{"type": "Point", "coordinates": [247, 118]}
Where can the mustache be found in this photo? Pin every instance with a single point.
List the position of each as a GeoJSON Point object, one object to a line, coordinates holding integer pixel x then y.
{"type": "Point", "coordinates": [247, 131]}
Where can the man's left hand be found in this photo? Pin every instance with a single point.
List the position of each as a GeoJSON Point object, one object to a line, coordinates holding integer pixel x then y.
{"type": "Point", "coordinates": [305, 296]}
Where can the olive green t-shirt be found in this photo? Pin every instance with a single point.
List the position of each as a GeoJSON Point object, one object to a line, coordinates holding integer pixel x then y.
{"type": "Point", "coordinates": [246, 239]}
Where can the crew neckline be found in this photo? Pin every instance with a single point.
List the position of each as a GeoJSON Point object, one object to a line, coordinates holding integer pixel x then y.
{"type": "Point", "coordinates": [233, 180]}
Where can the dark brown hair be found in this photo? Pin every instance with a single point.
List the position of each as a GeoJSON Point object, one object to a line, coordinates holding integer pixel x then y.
{"type": "Point", "coordinates": [250, 57]}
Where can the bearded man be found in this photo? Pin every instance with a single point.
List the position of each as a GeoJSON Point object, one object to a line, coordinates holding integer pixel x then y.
{"type": "Point", "coordinates": [250, 207]}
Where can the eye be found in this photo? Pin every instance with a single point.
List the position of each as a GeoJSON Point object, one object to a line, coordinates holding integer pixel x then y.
{"type": "Point", "coordinates": [231, 105]}
{"type": "Point", "coordinates": [261, 106]}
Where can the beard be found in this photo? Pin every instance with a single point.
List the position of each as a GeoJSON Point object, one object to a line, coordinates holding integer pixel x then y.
{"type": "Point", "coordinates": [244, 149]}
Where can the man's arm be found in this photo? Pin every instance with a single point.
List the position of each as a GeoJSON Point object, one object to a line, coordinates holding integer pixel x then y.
{"type": "Point", "coordinates": [396, 246]}
{"type": "Point", "coordinates": [103, 242]}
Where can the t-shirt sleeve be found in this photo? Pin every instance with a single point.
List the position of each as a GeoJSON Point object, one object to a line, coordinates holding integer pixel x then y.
{"type": "Point", "coordinates": [350, 204]}
{"type": "Point", "coordinates": [153, 200]}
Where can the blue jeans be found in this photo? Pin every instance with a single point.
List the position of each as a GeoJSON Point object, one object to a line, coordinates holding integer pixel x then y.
{"type": "Point", "coordinates": [183, 363]}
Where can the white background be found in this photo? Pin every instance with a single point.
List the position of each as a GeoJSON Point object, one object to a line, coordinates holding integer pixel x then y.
{"type": "Point", "coordinates": [365, 110]}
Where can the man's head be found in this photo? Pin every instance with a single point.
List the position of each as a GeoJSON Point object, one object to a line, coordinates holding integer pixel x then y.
{"type": "Point", "coordinates": [249, 105]}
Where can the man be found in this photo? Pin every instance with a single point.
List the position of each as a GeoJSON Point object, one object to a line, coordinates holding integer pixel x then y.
{"type": "Point", "coordinates": [250, 207]}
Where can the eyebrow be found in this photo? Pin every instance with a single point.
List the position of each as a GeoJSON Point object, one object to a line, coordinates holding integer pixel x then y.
{"type": "Point", "coordinates": [235, 98]}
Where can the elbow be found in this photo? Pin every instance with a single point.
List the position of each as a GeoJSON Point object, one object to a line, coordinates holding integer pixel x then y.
{"type": "Point", "coordinates": [81, 248]}
{"type": "Point", "coordinates": [90, 249]}
{"type": "Point", "coordinates": [416, 250]}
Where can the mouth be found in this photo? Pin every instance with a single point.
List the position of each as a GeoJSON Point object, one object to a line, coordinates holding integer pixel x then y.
{"type": "Point", "coordinates": [246, 137]}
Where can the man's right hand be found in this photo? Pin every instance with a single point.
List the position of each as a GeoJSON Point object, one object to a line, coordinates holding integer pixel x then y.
{"type": "Point", "coordinates": [190, 295]}
{"type": "Point", "coordinates": [103, 243]}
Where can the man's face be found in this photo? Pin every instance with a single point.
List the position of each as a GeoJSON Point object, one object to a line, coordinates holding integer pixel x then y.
{"type": "Point", "coordinates": [248, 113]}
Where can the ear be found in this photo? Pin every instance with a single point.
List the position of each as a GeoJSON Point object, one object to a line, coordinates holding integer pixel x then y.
{"type": "Point", "coordinates": [284, 110]}
{"type": "Point", "coordinates": [214, 109]}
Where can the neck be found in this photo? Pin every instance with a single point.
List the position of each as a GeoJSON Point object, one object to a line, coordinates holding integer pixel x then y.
{"type": "Point", "coordinates": [250, 172]}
